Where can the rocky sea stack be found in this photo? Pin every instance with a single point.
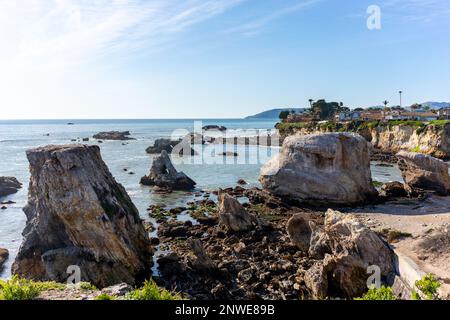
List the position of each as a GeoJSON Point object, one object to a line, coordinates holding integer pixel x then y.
{"type": "Point", "coordinates": [78, 215]}
{"type": "Point", "coordinates": [331, 168]}
{"type": "Point", "coordinates": [164, 175]}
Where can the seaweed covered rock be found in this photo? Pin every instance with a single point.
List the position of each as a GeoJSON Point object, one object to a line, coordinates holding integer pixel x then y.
{"type": "Point", "coordinates": [329, 168]}
{"type": "Point", "coordinates": [78, 215]}
{"type": "Point", "coordinates": [164, 175]}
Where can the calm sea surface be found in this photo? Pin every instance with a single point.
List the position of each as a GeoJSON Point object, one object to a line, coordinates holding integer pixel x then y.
{"type": "Point", "coordinates": [18, 136]}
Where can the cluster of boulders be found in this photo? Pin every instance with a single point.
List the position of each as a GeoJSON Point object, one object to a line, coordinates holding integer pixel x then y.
{"type": "Point", "coordinates": [113, 135]}
{"type": "Point", "coordinates": [163, 175]}
{"type": "Point", "coordinates": [342, 250]}
{"type": "Point", "coordinates": [8, 186]}
{"type": "Point", "coordinates": [253, 252]}
{"type": "Point", "coordinates": [78, 215]}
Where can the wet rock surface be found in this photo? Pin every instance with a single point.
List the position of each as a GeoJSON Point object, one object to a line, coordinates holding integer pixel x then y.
{"type": "Point", "coordinates": [77, 214]}
{"type": "Point", "coordinates": [8, 186]}
{"type": "Point", "coordinates": [211, 261]}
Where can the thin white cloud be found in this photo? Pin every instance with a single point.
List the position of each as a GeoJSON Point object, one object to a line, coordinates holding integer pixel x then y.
{"type": "Point", "coordinates": [62, 32]}
{"type": "Point", "coordinates": [255, 26]}
{"type": "Point", "coordinates": [417, 10]}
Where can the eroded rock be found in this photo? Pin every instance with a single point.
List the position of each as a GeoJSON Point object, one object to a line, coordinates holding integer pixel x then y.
{"type": "Point", "coordinates": [425, 172]}
{"type": "Point", "coordinates": [164, 175]}
{"type": "Point", "coordinates": [78, 215]}
{"type": "Point", "coordinates": [329, 168]}
{"type": "Point", "coordinates": [233, 215]}
{"type": "Point", "coordinates": [352, 249]}
{"type": "Point", "coordinates": [299, 232]}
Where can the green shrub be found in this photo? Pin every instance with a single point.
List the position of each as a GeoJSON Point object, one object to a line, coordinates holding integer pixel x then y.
{"type": "Point", "coordinates": [377, 184]}
{"type": "Point", "coordinates": [429, 286]}
{"type": "Point", "coordinates": [104, 296]}
{"type": "Point", "coordinates": [416, 149]}
{"type": "Point", "coordinates": [87, 286]}
{"type": "Point", "coordinates": [383, 293]}
{"type": "Point", "coordinates": [22, 289]}
{"type": "Point", "coordinates": [150, 291]}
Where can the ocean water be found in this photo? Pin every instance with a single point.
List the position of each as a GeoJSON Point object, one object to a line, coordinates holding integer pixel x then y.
{"type": "Point", "coordinates": [18, 136]}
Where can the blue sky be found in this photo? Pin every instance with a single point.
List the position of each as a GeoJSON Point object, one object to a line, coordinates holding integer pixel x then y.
{"type": "Point", "coordinates": [216, 58]}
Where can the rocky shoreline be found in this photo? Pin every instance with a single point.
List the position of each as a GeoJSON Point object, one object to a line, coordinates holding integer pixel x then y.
{"type": "Point", "coordinates": [297, 238]}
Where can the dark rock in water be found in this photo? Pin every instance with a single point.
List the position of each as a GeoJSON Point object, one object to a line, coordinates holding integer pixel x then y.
{"type": "Point", "coordinates": [229, 154]}
{"type": "Point", "coordinates": [85, 139]}
{"type": "Point", "coordinates": [241, 182]}
{"type": "Point", "coordinates": [113, 135]}
{"type": "Point", "coordinates": [7, 202]}
{"type": "Point", "coordinates": [214, 127]}
{"type": "Point", "coordinates": [8, 186]}
{"type": "Point", "coordinates": [4, 254]}
{"type": "Point", "coordinates": [393, 190]}
{"type": "Point", "coordinates": [181, 147]}
{"type": "Point", "coordinates": [164, 175]}
{"type": "Point", "coordinates": [77, 214]}
{"type": "Point", "coordinates": [386, 165]}
{"type": "Point", "coordinates": [234, 216]}
{"type": "Point", "coordinates": [3, 208]}
{"type": "Point", "coordinates": [425, 172]}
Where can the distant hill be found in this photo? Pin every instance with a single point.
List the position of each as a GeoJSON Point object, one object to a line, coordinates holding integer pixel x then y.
{"type": "Point", "coordinates": [274, 113]}
{"type": "Point", "coordinates": [436, 105]}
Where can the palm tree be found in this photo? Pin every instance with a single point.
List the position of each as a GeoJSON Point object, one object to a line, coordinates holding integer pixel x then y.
{"type": "Point", "coordinates": [385, 102]}
{"type": "Point", "coordinates": [400, 93]}
{"type": "Point", "coordinates": [311, 102]}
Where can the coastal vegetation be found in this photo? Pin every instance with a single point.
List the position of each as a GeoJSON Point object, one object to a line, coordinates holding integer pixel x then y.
{"type": "Point", "coordinates": [22, 289]}
{"type": "Point", "coordinates": [382, 293]}
{"type": "Point", "coordinates": [428, 286]}
{"type": "Point", "coordinates": [18, 288]}
{"type": "Point", "coordinates": [151, 291]}
{"type": "Point", "coordinates": [287, 128]}
{"type": "Point", "coordinates": [427, 289]}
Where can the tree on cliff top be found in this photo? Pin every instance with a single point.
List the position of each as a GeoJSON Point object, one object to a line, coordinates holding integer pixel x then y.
{"type": "Point", "coordinates": [326, 110]}
{"type": "Point", "coordinates": [284, 114]}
